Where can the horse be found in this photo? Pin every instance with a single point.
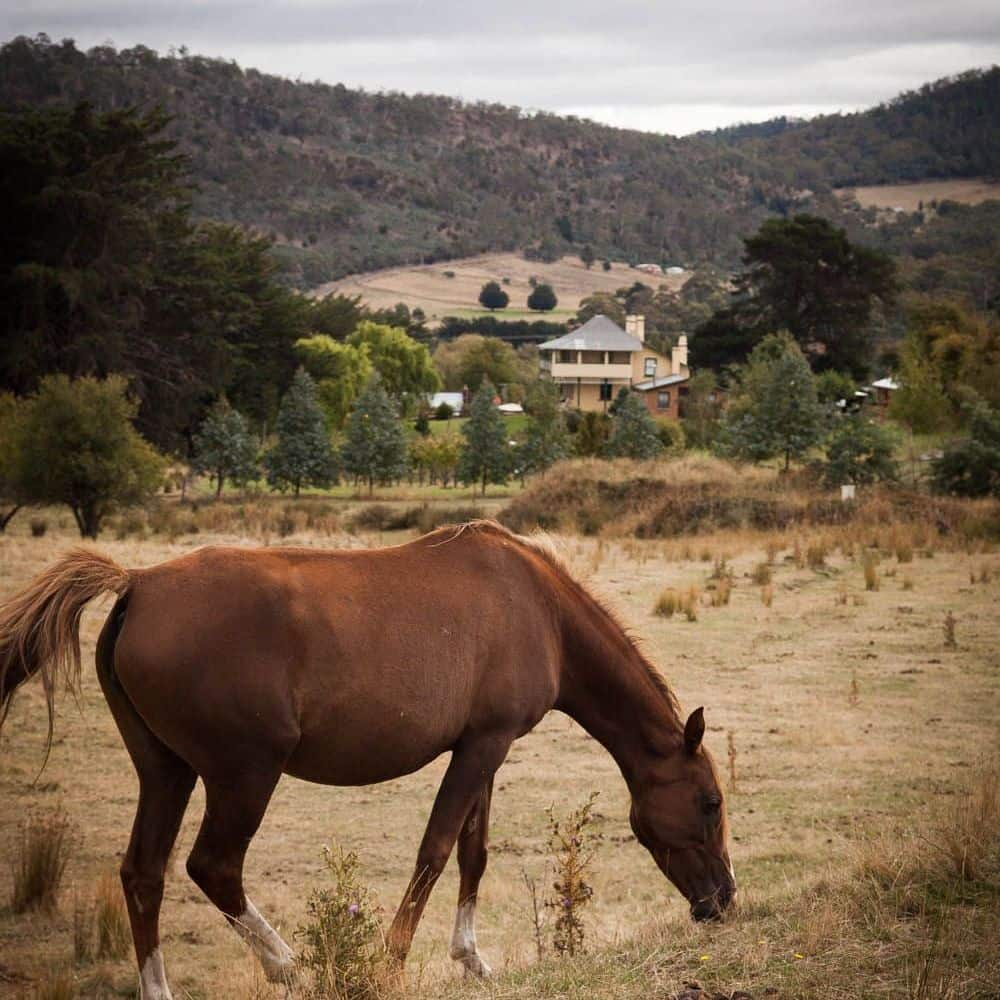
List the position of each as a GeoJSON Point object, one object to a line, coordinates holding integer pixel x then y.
{"type": "Point", "coordinates": [349, 667]}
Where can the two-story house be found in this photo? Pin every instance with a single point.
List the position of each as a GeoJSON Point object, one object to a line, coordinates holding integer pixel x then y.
{"type": "Point", "coordinates": [590, 364]}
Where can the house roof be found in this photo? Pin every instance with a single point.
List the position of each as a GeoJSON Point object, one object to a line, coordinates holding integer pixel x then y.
{"type": "Point", "coordinates": [597, 334]}
{"type": "Point", "coordinates": [453, 399]}
{"type": "Point", "coordinates": [886, 383]}
{"type": "Point", "coordinates": [660, 383]}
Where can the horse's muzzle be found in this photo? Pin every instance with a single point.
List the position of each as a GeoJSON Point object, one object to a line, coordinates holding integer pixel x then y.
{"type": "Point", "coordinates": [714, 906]}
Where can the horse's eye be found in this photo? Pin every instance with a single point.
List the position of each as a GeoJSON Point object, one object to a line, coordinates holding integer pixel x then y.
{"type": "Point", "coordinates": [712, 806]}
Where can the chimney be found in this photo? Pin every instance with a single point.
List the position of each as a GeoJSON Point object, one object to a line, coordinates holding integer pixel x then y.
{"type": "Point", "coordinates": [636, 327]}
{"type": "Point", "coordinates": [679, 356]}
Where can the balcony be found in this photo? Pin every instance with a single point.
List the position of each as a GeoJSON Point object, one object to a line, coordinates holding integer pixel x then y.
{"type": "Point", "coordinates": [560, 370]}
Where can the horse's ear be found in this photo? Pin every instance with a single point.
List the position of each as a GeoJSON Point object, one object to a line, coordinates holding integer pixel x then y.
{"type": "Point", "coordinates": [694, 730]}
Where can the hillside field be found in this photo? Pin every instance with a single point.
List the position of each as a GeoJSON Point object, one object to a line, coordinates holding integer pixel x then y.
{"type": "Point", "coordinates": [908, 197]}
{"type": "Point", "coordinates": [848, 712]}
{"type": "Point", "coordinates": [429, 287]}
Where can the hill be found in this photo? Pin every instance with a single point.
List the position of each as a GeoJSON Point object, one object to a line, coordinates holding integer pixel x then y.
{"type": "Point", "coordinates": [347, 181]}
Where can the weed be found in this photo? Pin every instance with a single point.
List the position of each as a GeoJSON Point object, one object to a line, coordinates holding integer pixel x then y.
{"type": "Point", "coordinates": [797, 556]}
{"type": "Point", "coordinates": [667, 604]}
{"type": "Point", "coordinates": [42, 853]}
{"type": "Point", "coordinates": [762, 574]}
{"type": "Point", "coordinates": [767, 595]}
{"type": "Point", "coordinates": [842, 592]}
{"type": "Point", "coordinates": [904, 552]}
{"type": "Point", "coordinates": [907, 582]}
{"type": "Point", "coordinates": [869, 564]}
{"type": "Point", "coordinates": [569, 844]}
{"type": "Point", "coordinates": [343, 945]}
{"type": "Point", "coordinates": [731, 754]}
{"type": "Point", "coordinates": [689, 603]}
{"type": "Point", "coordinates": [816, 555]}
{"type": "Point", "coordinates": [537, 920]}
{"type": "Point", "coordinates": [948, 628]}
{"type": "Point", "coordinates": [722, 592]}
{"type": "Point", "coordinates": [854, 695]}
{"type": "Point", "coordinates": [720, 570]}
{"type": "Point", "coordinates": [58, 984]}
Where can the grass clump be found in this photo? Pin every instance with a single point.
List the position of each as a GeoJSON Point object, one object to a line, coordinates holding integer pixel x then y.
{"type": "Point", "coordinates": [667, 604]}
{"type": "Point", "coordinates": [722, 591]}
{"type": "Point", "coordinates": [762, 574]}
{"type": "Point", "coordinates": [869, 566]}
{"type": "Point", "coordinates": [57, 984]}
{"type": "Point", "coordinates": [40, 861]}
{"type": "Point", "coordinates": [343, 949]}
{"type": "Point", "coordinates": [100, 925]}
{"type": "Point", "coordinates": [573, 857]}
{"type": "Point", "coordinates": [767, 595]}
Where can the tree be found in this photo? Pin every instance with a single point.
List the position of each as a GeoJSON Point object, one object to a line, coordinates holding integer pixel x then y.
{"type": "Point", "coordinates": [492, 296]}
{"type": "Point", "coordinates": [546, 440]}
{"type": "Point", "coordinates": [587, 256]}
{"type": "Point", "coordinates": [702, 409]}
{"type": "Point", "coordinates": [920, 403]}
{"type": "Point", "coordinates": [542, 298]}
{"type": "Point", "coordinates": [486, 457]}
{"type": "Point", "coordinates": [601, 304]}
{"type": "Point", "coordinates": [971, 467]}
{"type": "Point", "coordinates": [774, 410]}
{"type": "Point", "coordinates": [592, 434]}
{"type": "Point", "coordinates": [404, 365]}
{"type": "Point", "coordinates": [375, 448]}
{"type": "Point", "coordinates": [302, 454]}
{"type": "Point", "coordinates": [860, 451]}
{"type": "Point", "coordinates": [633, 431]}
{"type": "Point", "coordinates": [224, 448]}
{"type": "Point", "coordinates": [75, 444]}
{"type": "Point", "coordinates": [341, 371]}
{"type": "Point", "coordinates": [471, 359]}
{"type": "Point", "coordinates": [10, 501]}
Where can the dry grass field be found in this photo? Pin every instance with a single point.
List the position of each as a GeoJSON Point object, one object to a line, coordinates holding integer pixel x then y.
{"type": "Point", "coordinates": [429, 287]}
{"type": "Point", "coordinates": [909, 196]}
{"type": "Point", "coordinates": [850, 716]}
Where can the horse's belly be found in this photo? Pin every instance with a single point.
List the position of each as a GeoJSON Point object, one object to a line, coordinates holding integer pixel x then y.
{"type": "Point", "coordinates": [338, 752]}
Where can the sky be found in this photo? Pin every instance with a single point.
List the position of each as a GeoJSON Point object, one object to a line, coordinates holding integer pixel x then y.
{"type": "Point", "coordinates": [674, 67]}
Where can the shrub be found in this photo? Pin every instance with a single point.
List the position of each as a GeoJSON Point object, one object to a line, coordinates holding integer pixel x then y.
{"type": "Point", "coordinates": [42, 854]}
{"type": "Point", "coordinates": [342, 941]}
{"type": "Point", "coordinates": [444, 411]}
{"type": "Point", "coordinates": [573, 856]}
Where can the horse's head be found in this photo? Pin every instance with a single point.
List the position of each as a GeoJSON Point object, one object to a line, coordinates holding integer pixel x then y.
{"type": "Point", "coordinates": [679, 816]}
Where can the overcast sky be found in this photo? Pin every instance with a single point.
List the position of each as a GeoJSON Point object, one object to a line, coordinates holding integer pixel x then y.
{"type": "Point", "coordinates": [661, 66]}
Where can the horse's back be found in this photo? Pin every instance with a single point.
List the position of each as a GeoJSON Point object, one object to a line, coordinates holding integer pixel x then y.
{"type": "Point", "coordinates": [356, 665]}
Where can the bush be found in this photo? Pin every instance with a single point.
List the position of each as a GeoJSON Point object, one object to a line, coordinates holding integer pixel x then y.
{"type": "Point", "coordinates": [860, 451]}
{"type": "Point", "coordinates": [671, 435]}
{"type": "Point", "coordinates": [444, 411]}
{"type": "Point", "coordinates": [971, 467]}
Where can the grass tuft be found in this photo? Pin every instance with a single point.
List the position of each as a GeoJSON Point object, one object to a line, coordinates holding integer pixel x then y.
{"type": "Point", "coordinates": [40, 863]}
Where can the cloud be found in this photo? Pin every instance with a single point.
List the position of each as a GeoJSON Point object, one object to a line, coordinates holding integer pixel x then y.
{"type": "Point", "coordinates": [663, 67]}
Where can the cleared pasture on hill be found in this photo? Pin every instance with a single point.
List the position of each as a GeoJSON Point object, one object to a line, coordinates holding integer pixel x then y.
{"type": "Point", "coordinates": [429, 287]}
{"type": "Point", "coordinates": [848, 710]}
{"type": "Point", "coordinates": [909, 196]}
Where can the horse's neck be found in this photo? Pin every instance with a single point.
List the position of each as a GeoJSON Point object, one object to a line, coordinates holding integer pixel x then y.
{"type": "Point", "coordinates": [607, 688]}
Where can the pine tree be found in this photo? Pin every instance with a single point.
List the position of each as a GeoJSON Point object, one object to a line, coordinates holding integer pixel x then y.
{"type": "Point", "coordinates": [486, 458]}
{"type": "Point", "coordinates": [375, 449]}
{"type": "Point", "coordinates": [224, 448]}
{"type": "Point", "coordinates": [546, 440]}
{"type": "Point", "coordinates": [633, 431]}
{"type": "Point", "coordinates": [303, 455]}
{"type": "Point", "coordinates": [776, 410]}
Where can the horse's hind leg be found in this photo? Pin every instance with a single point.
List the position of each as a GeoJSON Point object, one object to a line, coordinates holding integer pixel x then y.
{"type": "Point", "coordinates": [234, 807]}
{"type": "Point", "coordinates": [472, 855]}
{"type": "Point", "coordinates": [165, 783]}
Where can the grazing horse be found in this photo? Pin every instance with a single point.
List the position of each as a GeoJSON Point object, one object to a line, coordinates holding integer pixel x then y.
{"type": "Point", "coordinates": [353, 667]}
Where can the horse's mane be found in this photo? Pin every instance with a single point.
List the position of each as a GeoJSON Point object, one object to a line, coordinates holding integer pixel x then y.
{"type": "Point", "coordinates": [541, 546]}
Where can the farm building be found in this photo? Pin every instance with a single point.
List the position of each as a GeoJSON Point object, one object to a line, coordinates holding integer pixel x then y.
{"type": "Point", "coordinates": [592, 363]}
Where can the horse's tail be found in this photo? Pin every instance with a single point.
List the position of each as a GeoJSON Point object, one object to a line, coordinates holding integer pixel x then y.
{"type": "Point", "coordinates": [40, 627]}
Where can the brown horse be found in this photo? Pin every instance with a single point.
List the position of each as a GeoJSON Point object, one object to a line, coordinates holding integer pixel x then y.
{"type": "Point", "coordinates": [352, 667]}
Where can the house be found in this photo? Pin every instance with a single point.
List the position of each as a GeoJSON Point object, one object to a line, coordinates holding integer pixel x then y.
{"type": "Point", "coordinates": [590, 365]}
{"type": "Point", "coordinates": [456, 400]}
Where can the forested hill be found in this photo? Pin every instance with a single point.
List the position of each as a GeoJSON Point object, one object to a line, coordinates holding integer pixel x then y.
{"type": "Point", "coordinates": [345, 180]}
{"type": "Point", "coordinates": [944, 129]}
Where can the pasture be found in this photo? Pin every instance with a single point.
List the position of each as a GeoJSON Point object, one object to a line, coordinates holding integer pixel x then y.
{"type": "Point", "coordinates": [849, 712]}
{"type": "Point", "coordinates": [908, 197]}
{"type": "Point", "coordinates": [429, 287]}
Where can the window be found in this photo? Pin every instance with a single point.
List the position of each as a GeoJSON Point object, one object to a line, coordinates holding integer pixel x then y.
{"type": "Point", "coordinates": [650, 367]}
{"type": "Point", "coordinates": [619, 358]}
{"type": "Point", "coordinates": [593, 358]}
{"type": "Point", "coordinates": [663, 400]}
{"type": "Point", "coordinates": [567, 357]}
{"type": "Point", "coordinates": [605, 391]}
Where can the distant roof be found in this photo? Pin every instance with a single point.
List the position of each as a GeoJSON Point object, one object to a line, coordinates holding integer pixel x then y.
{"type": "Point", "coordinates": [886, 383]}
{"type": "Point", "coordinates": [660, 383]}
{"type": "Point", "coordinates": [453, 399]}
{"type": "Point", "coordinates": [597, 334]}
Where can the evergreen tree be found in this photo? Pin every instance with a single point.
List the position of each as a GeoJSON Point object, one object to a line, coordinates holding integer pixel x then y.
{"type": "Point", "coordinates": [860, 451]}
{"type": "Point", "coordinates": [375, 449]}
{"type": "Point", "coordinates": [224, 448]}
{"type": "Point", "coordinates": [546, 440]}
{"type": "Point", "coordinates": [633, 431]}
{"type": "Point", "coordinates": [492, 296]}
{"type": "Point", "coordinates": [302, 455]}
{"type": "Point", "coordinates": [486, 458]}
{"type": "Point", "coordinates": [775, 410]}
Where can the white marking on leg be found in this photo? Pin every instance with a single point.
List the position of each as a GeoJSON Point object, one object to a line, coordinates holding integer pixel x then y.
{"type": "Point", "coordinates": [463, 940]}
{"type": "Point", "coordinates": [152, 978]}
{"type": "Point", "coordinates": [275, 956]}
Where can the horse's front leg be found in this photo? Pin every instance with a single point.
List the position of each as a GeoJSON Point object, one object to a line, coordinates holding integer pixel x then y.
{"type": "Point", "coordinates": [473, 763]}
{"type": "Point", "coordinates": [472, 856]}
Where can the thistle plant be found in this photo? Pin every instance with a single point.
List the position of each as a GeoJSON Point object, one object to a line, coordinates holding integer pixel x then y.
{"type": "Point", "coordinates": [570, 847]}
